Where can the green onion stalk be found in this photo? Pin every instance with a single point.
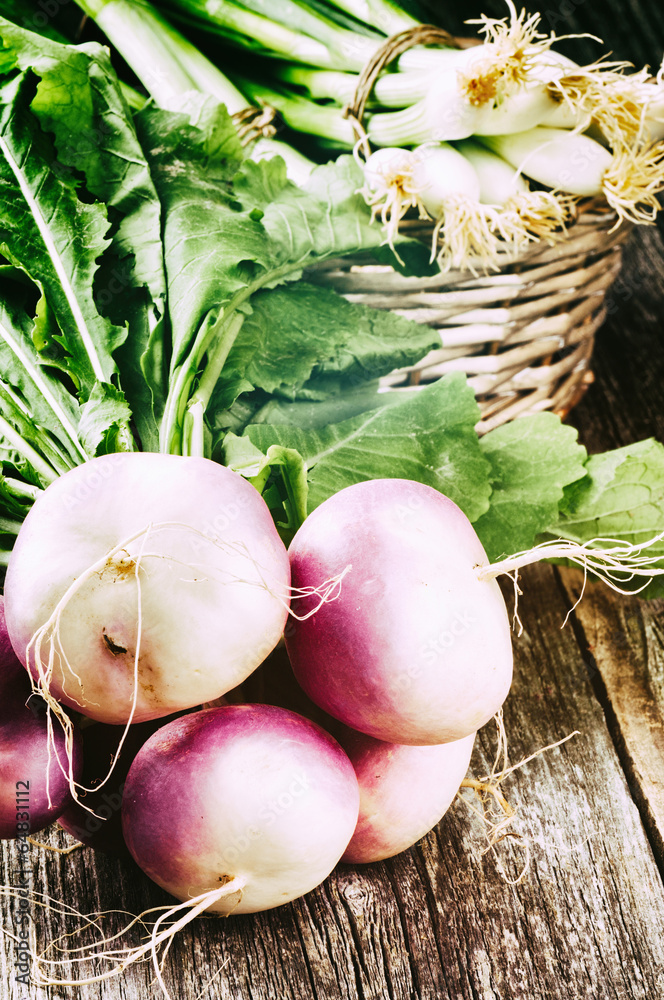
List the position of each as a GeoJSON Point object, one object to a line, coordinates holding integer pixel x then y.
{"type": "Point", "coordinates": [171, 69]}
{"type": "Point", "coordinates": [511, 81]}
{"type": "Point", "coordinates": [168, 65]}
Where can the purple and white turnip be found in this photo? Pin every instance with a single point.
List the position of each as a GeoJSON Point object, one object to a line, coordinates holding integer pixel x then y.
{"type": "Point", "coordinates": [143, 584]}
{"type": "Point", "coordinates": [404, 791]}
{"type": "Point", "coordinates": [416, 649]}
{"type": "Point", "coordinates": [251, 793]}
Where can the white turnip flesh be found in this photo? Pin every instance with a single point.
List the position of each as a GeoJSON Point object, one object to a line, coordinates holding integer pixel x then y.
{"type": "Point", "coordinates": [243, 791]}
{"type": "Point", "coordinates": [165, 566]}
{"type": "Point", "coordinates": [416, 649]}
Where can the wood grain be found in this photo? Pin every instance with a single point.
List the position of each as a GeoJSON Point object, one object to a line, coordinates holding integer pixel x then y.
{"type": "Point", "coordinates": [625, 643]}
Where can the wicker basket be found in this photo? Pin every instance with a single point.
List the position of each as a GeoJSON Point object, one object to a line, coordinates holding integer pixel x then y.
{"type": "Point", "coordinates": [523, 335]}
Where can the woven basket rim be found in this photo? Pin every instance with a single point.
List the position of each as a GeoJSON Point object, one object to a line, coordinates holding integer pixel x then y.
{"type": "Point", "coordinates": [593, 215]}
{"type": "Point", "coordinates": [523, 334]}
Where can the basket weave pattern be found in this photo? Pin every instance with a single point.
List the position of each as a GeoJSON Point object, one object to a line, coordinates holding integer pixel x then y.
{"type": "Point", "coordinates": [523, 335]}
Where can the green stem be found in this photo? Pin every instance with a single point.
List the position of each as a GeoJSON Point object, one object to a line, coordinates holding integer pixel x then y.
{"type": "Point", "coordinates": [298, 166]}
{"type": "Point", "coordinates": [408, 127]}
{"type": "Point", "coordinates": [134, 100]}
{"type": "Point", "coordinates": [217, 359]}
{"type": "Point", "coordinates": [139, 34]}
{"type": "Point", "coordinates": [349, 49]}
{"type": "Point", "coordinates": [323, 84]}
{"type": "Point", "coordinates": [303, 115]}
{"type": "Point", "coordinates": [205, 75]}
{"type": "Point", "coordinates": [20, 489]}
{"type": "Point", "coordinates": [302, 19]}
{"type": "Point", "coordinates": [52, 450]}
{"type": "Point", "coordinates": [259, 482]}
{"type": "Point", "coordinates": [181, 380]}
{"type": "Point", "coordinates": [193, 438]}
{"type": "Point", "coordinates": [393, 90]}
{"type": "Point", "coordinates": [193, 432]}
{"type": "Point", "coordinates": [296, 509]}
{"type": "Point", "coordinates": [165, 62]}
{"type": "Point", "coordinates": [381, 14]}
{"type": "Point", "coordinates": [8, 527]}
{"type": "Point", "coordinates": [171, 438]}
{"type": "Point", "coordinates": [227, 17]}
{"type": "Point", "coordinates": [33, 457]}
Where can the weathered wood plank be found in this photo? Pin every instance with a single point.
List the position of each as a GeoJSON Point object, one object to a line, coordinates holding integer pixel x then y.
{"type": "Point", "coordinates": [625, 642]}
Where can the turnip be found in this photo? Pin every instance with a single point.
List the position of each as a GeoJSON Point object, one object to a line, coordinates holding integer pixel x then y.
{"type": "Point", "coordinates": [34, 785]}
{"type": "Point", "coordinates": [404, 791]}
{"type": "Point", "coordinates": [252, 795]}
{"type": "Point", "coordinates": [416, 649]}
{"type": "Point", "coordinates": [142, 584]}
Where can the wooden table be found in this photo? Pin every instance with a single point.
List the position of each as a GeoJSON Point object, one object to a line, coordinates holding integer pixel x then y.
{"type": "Point", "coordinates": [443, 921]}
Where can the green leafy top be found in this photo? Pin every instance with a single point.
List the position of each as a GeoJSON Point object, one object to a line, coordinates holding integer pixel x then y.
{"type": "Point", "coordinates": [151, 296]}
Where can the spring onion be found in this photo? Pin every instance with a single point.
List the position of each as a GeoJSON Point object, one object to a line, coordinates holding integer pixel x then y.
{"type": "Point", "coordinates": [526, 214]}
{"type": "Point", "coordinates": [499, 181]}
{"type": "Point", "coordinates": [526, 103]}
{"type": "Point", "coordinates": [629, 177]}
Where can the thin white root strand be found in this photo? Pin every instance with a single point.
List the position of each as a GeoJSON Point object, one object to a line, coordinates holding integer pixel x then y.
{"type": "Point", "coordinates": [51, 630]}
{"type": "Point", "coordinates": [517, 44]}
{"type": "Point", "coordinates": [603, 93]}
{"type": "Point", "coordinates": [468, 235]}
{"type": "Point", "coordinates": [56, 850]}
{"type": "Point", "coordinates": [618, 560]}
{"type": "Point", "coordinates": [498, 823]}
{"type": "Point", "coordinates": [476, 236]}
{"type": "Point", "coordinates": [48, 635]}
{"type": "Point", "coordinates": [634, 180]}
{"type": "Point", "coordinates": [611, 560]}
{"type": "Point", "coordinates": [122, 957]}
{"type": "Point", "coordinates": [531, 216]}
{"type": "Point", "coordinates": [326, 592]}
{"type": "Point", "coordinates": [207, 985]}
